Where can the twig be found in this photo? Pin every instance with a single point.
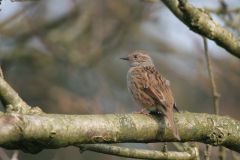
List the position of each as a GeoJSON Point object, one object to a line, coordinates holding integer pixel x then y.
{"type": "Point", "coordinates": [188, 153]}
{"type": "Point", "coordinates": [222, 153]}
{"type": "Point", "coordinates": [208, 152]}
{"type": "Point", "coordinates": [213, 85]}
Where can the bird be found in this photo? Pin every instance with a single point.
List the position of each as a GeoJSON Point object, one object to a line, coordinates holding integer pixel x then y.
{"type": "Point", "coordinates": [149, 89]}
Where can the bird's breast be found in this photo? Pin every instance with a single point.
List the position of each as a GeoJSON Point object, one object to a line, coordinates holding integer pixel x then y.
{"type": "Point", "coordinates": [135, 83]}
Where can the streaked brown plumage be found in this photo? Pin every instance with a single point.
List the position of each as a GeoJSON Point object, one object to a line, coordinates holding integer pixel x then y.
{"type": "Point", "coordinates": [148, 88]}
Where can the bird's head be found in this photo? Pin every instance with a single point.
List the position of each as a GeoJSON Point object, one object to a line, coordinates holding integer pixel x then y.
{"type": "Point", "coordinates": [139, 59]}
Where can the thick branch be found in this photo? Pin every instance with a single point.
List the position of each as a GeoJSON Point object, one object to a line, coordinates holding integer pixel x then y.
{"type": "Point", "coordinates": [34, 133]}
{"type": "Point", "coordinates": [201, 22]}
{"type": "Point", "coordinates": [188, 153]}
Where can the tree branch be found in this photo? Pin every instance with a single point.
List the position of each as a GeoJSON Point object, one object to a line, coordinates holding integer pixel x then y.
{"type": "Point", "coordinates": [9, 97]}
{"type": "Point", "coordinates": [34, 133]}
{"type": "Point", "coordinates": [200, 21]}
{"type": "Point", "coordinates": [11, 100]}
{"type": "Point", "coordinates": [188, 153]}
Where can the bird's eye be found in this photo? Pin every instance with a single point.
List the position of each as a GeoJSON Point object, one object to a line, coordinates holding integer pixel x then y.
{"type": "Point", "coordinates": [135, 56]}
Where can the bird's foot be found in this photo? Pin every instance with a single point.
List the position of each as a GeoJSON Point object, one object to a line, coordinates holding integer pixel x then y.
{"type": "Point", "coordinates": [141, 112]}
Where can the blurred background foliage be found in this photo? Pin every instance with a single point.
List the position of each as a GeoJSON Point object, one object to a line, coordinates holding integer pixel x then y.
{"type": "Point", "coordinates": [63, 56]}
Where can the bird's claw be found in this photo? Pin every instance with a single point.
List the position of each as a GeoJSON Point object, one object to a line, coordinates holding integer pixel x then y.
{"type": "Point", "coordinates": [141, 112]}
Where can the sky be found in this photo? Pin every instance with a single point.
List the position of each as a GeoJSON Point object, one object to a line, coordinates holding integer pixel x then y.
{"type": "Point", "coordinates": [177, 33]}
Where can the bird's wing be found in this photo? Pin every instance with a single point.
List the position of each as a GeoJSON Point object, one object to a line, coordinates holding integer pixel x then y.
{"type": "Point", "coordinates": [151, 91]}
{"type": "Point", "coordinates": [157, 87]}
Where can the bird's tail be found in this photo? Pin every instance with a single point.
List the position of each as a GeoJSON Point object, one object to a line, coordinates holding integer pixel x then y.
{"type": "Point", "coordinates": [169, 113]}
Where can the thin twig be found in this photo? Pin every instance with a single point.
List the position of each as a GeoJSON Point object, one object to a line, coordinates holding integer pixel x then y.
{"type": "Point", "coordinates": [208, 152]}
{"type": "Point", "coordinates": [213, 85]}
{"type": "Point", "coordinates": [222, 153]}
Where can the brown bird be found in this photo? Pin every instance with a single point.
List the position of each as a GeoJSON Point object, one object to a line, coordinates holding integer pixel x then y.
{"type": "Point", "coordinates": [148, 88]}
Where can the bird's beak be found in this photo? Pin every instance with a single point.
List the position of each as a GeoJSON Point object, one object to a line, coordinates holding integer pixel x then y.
{"type": "Point", "coordinates": [125, 58]}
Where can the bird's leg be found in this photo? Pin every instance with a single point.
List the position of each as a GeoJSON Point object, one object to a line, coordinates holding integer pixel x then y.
{"type": "Point", "coordinates": [142, 111]}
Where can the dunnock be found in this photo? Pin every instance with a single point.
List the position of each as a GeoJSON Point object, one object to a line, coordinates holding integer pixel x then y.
{"type": "Point", "coordinates": [148, 88]}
